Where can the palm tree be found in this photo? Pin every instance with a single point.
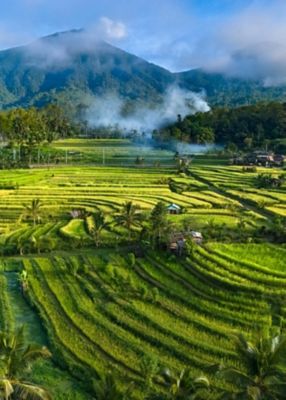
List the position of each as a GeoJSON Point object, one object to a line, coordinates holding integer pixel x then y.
{"type": "Point", "coordinates": [33, 210]}
{"type": "Point", "coordinates": [106, 388]}
{"type": "Point", "coordinates": [262, 376]}
{"type": "Point", "coordinates": [22, 245]}
{"type": "Point", "coordinates": [15, 358]}
{"type": "Point", "coordinates": [129, 217]}
{"type": "Point", "coordinates": [42, 243]}
{"type": "Point", "coordinates": [182, 387]}
{"type": "Point", "coordinates": [98, 225]}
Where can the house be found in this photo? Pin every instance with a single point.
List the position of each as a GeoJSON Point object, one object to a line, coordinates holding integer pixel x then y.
{"type": "Point", "coordinates": [278, 160]}
{"type": "Point", "coordinates": [177, 243]}
{"type": "Point", "coordinates": [260, 158]}
{"type": "Point", "coordinates": [197, 237]}
{"type": "Point", "coordinates": [178, 240]}
{"type": "Point", "coordinates": [77, 214]}
{"type": "Point", "coordinates": [174, 209]}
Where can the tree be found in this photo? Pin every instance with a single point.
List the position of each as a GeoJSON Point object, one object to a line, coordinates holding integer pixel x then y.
{"type": "Point", "coordinates": [23, 245]}
{"type": "Point", "coordinates": [262, 375]}
{"type": "Point", "coordinates": [278, 229]}
{"type": "Point", "coordinates": [242, 227]}
{"type": "Point", "coordinates": [42, 243]}
{"type": "Point", "coordinates": [149, 368]}
{"type": "Point", "coordinates": [98, 224]}
{"type": "Point", "coordinates": [129, 217]}
{"type": "Point", "coordinates": [56, 121]}
{"type": "Point", "coordinates": [33, 210]}
{"type": "Point", "coordinates": [159, 222]}
{"type": "Point", "coordinates": [15, 358]}
{"type": "Point", "coordinates": [211, 228]}
{"type": "Point", "coordinates": [248, 142]}
{"type": "Point", "coordinates": [106, 388]}
{"type": "Point", "coordinates": [182, 386]}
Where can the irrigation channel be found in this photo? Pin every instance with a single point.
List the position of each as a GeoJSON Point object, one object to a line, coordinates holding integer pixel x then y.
{"type": "Point", "coordinates": [48, 374]}
{"type": "Point", "coordinates": [23, 313]}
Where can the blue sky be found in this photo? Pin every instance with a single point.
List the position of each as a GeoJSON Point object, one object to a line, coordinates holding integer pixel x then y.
{"type": "Point", "coordinates": [37, 17]}
{"type": "Point", "coordinates": [237, 37]}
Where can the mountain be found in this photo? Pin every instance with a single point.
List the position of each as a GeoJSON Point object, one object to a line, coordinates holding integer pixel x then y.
{"type": "Point", "coordinates": [225, 91]}
{"type": "Point", "coordinates": [72, 68]}
{"type": "Point", "coordinates": [67, 66]}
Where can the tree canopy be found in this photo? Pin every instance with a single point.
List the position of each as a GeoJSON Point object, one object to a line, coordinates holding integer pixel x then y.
{"type": "Point", "coordinates": [247, 126]}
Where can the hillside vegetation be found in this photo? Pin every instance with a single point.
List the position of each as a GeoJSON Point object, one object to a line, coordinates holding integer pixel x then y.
{"type": "Point", "coordinates": [247, 127]}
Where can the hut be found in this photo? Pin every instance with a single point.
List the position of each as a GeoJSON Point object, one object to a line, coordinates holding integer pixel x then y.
{"type": "Point", "coordinates": [197, 237]}
{"type": "Point", "coordinates": [174, 209]}
{"type": "Point", "coordinates": [177, 240]}
{"type": "Point", "coordinates": [177, 243]}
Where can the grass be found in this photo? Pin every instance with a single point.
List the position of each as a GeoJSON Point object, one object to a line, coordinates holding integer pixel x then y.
{"type": "Point", "coordinates": [99, 313]}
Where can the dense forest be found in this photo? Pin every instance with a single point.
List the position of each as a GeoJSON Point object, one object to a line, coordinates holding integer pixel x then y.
{"type": "Point", "coordinates": [247, 127]}
{"type": "Point", "coordinates": [30, 127]}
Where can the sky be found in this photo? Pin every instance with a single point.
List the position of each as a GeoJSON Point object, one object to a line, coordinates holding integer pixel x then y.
{"type": "Point", "coordinates": [244, 38]}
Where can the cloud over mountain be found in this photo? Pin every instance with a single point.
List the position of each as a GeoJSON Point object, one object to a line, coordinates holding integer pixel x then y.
{"type": "Point", "coordinates": [249, 44]}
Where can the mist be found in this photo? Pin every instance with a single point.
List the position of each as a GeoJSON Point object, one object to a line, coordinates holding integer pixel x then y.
{"type": "Point", "coordinates": [59, 50]}
{"type": "Point", "coordinates": [248, 44]}
{"type": "Point", "coordinates": [108, 111]}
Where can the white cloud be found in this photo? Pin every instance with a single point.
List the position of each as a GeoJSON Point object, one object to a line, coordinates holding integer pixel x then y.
{"type": "Point", "coordinates": [250, 44]}
{"type": "Point", "coordinates": [59, 50]}
{"type": "Point", "coordinates": [109, 29]}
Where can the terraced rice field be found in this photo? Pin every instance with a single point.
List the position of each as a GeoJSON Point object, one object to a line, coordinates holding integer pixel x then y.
{"type": "Point", "coordinates": [98, 312]}
{"type": "Point", "coordinates": [233, 181]}
{"type": "Point", "coordinates": [96, 320]}
{"type": "Point", "coordinates": [63, 189]}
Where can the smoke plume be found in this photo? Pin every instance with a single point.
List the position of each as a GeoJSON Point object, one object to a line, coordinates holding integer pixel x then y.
{"type": "Point", "coordinates": [107, 111]}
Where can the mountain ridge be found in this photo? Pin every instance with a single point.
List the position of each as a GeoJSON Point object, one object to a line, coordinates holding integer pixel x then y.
{"type": "Point", "coordinates": [71, 67]}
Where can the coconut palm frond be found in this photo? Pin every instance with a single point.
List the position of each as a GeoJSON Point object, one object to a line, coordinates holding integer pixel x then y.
{"type": "Point", "coordinates": [15, 358]}
{"type": "Point", "coordinates": [236, 377]}
{"type": "Point", "coordinates": [6, 388]}
{"type": "Point", "coordinates": [28, 391]}
{"type": "Point", "coordinates": [33, 352]}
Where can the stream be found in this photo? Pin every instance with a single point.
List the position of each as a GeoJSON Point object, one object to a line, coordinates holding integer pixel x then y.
{"type": "Point", "coordinates": [23, 313]}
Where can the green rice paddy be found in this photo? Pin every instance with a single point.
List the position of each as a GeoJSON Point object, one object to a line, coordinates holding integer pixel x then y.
{"type": "Point", "coordinates": [108, 315]}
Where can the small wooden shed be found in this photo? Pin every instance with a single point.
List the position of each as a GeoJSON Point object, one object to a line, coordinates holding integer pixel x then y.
{"type": "Point", "coordinates": [174, 208]}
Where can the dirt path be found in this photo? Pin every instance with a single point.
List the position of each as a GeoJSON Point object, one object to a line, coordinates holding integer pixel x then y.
{"type": "Point", "coordinates": [246, 204]}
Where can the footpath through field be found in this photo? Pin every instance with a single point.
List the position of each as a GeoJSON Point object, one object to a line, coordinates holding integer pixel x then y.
{"type": "Point", "coordinates": [247, 204]}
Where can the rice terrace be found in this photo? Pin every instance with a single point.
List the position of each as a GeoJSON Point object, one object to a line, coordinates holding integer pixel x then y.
{"type": "Point", "coordinates": [107, 294]}
{"type": "Point", "coordinates": [143, 200]}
